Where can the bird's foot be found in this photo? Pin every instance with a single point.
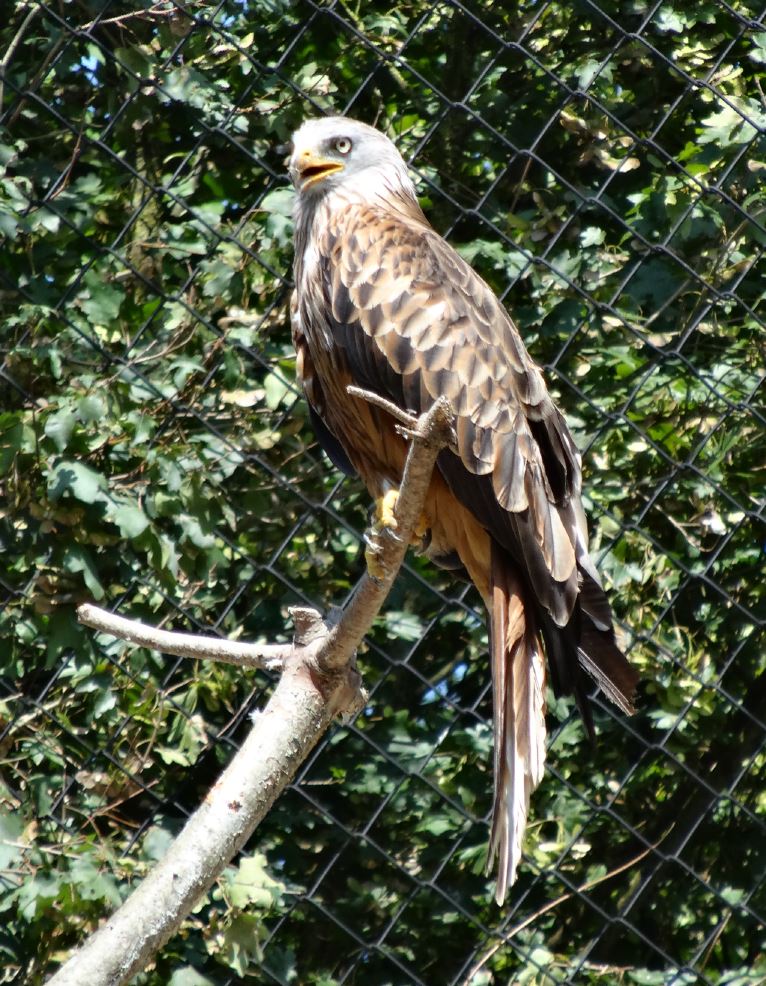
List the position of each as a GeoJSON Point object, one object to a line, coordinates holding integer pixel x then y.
{"type": "Point", "coordinates": [385, 509]}
{"type": "Point", "coordinates": [384, 525]}
{"type": "Point", "coordinates": [385, 516]}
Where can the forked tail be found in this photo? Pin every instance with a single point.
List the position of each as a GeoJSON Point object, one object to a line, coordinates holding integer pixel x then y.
{"type": "Point", "coordinates": [518, 679]}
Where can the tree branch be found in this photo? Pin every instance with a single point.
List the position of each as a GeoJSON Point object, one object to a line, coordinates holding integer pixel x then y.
{"type": "Point", "coordinates": [318, 682]}
{"type": "Point", "coordinates": [433, 431]}
{"type": "Point", "coordinates": [268, 657]}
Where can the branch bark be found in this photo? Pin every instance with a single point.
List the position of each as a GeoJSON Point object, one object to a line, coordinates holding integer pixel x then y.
{"type": "Point", "coordinates": [318, 682]}
{"type": "Point", "coordinates": [267, 657]}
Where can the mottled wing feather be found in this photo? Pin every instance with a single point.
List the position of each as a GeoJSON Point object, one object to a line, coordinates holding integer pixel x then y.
{"type": "Point", "coordinates": [314, 395]}
{"type": "Point", "coordinates": [416, 322]}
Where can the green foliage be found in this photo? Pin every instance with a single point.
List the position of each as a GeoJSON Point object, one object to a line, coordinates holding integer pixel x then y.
{"type": "Point", "coordinates": [602, 166]}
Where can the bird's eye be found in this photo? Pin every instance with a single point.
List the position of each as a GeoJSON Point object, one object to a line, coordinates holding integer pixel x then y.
{"type": "Point", "coordinates": [342, 145]}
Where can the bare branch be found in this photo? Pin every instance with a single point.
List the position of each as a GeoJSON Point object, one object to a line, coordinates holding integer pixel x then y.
{"type": "Point", "coordinates": [159, 10]}
{"type": "Point", "coordinates": [282, 736]}
{"type": "Point", "coordinates": [410, 420]}
{"type": "Point", "coordinates": [318, 682]}
{"type": "Point", "coordinates": [10, 50]}
{"type": "Point", "coordinates": [269, 657]}
{"type": "Point", "coordinates": [433, 430]}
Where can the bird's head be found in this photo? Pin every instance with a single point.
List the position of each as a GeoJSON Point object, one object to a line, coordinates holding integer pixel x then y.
{"type": "Point", "coordinates": [335, 152]}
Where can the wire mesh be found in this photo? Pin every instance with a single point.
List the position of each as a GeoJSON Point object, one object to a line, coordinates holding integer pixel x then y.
{"type": "Point", "coordinates": [601, 165]}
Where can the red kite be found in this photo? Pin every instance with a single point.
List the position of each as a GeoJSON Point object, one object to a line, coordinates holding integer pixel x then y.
{"type": "Point", "coordinates": [384, 303]}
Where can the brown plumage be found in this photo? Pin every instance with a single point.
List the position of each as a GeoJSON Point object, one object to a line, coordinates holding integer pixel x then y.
{"type": "Point", "coordinates": [383, 302]}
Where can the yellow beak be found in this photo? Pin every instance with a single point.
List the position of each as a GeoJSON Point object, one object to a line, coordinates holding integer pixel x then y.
{"type": "Point", "coordinates": [312, 168]}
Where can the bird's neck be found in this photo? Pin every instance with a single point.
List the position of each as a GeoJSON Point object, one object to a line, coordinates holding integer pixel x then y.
{"type": "Point", "coordinates": [316, 213]}
{"type": "Point", "coordinates": [373, 189]}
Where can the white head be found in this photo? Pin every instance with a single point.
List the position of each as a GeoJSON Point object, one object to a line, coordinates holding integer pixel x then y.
{"type": "Point", "coordinates": [338, 154]}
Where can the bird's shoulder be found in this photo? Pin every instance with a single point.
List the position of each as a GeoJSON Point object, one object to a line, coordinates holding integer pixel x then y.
{"type": "Point", "coordinates": [423, 304]}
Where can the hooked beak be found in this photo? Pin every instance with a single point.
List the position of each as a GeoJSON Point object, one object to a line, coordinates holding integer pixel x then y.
{"type": "Point", "coordinates": [310, 168]}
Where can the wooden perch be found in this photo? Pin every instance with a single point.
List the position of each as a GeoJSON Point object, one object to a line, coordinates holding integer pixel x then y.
{"type": "Point", "coordinates": [267, 657]}
{"type": "Point", "coordinates": [318, 681]}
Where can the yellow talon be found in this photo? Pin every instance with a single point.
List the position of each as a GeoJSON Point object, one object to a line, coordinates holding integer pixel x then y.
{"type": "Point", "coordinates": [385, 516]}
{"type": "Point", "coordinates": [385, 508]}
{"type": "Point", "coordinates": [385, 520]}
{"type": "Point", "coordinates": [421, 529]}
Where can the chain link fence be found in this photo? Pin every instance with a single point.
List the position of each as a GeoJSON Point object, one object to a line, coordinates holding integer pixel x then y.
{"type": "Point", "coordinates": [602, 166]}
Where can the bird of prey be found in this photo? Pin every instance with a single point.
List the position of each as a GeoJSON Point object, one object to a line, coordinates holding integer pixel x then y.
{"type": "Point", "coordinates": [382, 302]}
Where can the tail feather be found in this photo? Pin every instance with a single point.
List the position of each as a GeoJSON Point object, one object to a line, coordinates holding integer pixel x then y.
{"type": "Point", "coordinates": [561, 649]}
{"type": "Point", "coordinates": [518, 679]}
{"type": "Point", "coordinates": [518, 674]}
{"type": "Point", "coordinates": [605, 662]}
{"type": "Point", "coordinates": [519, 620]}
{"type": "Point", "coordinates": [597, 649]}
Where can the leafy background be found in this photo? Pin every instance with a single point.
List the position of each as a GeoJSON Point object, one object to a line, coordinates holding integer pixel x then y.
{"type": "Point", "coordinates": [602, 165]}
